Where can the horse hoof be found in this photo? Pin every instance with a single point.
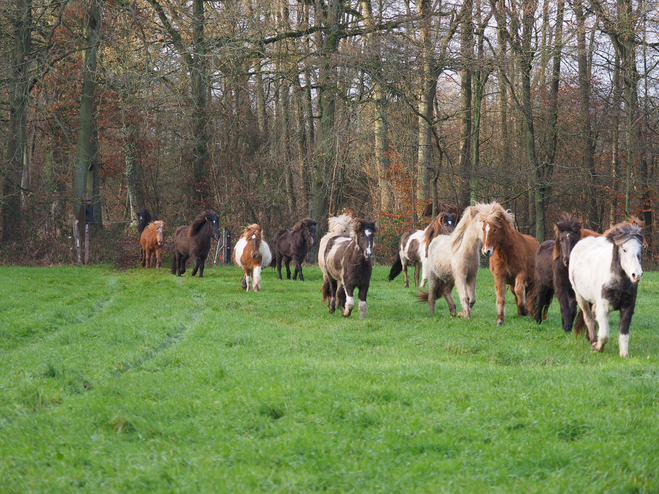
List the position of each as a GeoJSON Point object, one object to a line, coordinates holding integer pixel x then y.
{"type": "Point", "coordinates": [462, 314]}
{"type": "Point", "coordinates": [499, 323]}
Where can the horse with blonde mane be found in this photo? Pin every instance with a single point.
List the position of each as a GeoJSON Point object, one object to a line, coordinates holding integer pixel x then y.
{"type": "Point", "coordinates": [152, 240]}
{"type": "Point", "coordinates": [413, 247]}
{"type": "Point", "coordinates": [453, 260]}
{"type": "Point", "coordinates": [338, 225]}
{"type": "Point", "coordinates": [252, 253]}
{"type": "Point", "coordinates": [512, 259]}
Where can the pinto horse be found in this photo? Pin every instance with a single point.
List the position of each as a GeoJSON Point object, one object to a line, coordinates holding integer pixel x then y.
{"type": "Point", "coordinates": [413, 247]}
{"type": "Point", "coordinates": [293, 244]}
{"type": "Point", "coordinates": [152, 240]}
{"type": "Point", "coordinates": [348, 264]}
{"type": "Point", "coordinates": [453, 260]}
{"type": "Point", "coordinates": [512, 259]}
{"type": "Point", "coordinates": [605, 272]}
{"type": "Point", "coordinates": [194, 241]}
{"type": "Point", "coordinates": [551, 272]}
{"type": "Point", "coordinates": [252, 253]}
{"type": "Point", "coordinates": [338, 225]}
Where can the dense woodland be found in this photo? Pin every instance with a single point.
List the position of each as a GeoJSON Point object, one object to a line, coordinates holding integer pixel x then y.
{"type": "Point", "coordinates": [269, 111]}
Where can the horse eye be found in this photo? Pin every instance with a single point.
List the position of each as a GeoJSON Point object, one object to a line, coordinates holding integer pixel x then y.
{"type": "Point", "coordinates": [495, 230]}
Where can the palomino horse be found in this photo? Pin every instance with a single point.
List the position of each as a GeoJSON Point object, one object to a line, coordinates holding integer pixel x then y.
{"type": "Point", "coordinates": [152, 240]}
{"type": "Point", "coordinates": [551, 275]}
{"type": "Point", "coordinates": [293, 244]}
{"type": "Point", "coordinates": [194, 241]}
{"type": "Point", "coordinates": [605, 271]}
{"type": "Point", "coordinates": [348, 264]}
{"type": "Point", "coordinates": [512, 259]}
{"type": "Point", "coordinates": [413, 247]}
{"type": "Point", "coordinates": [252, 253]}
{"type": "Point", "coordinates": [453, 260]}
{"type": "Point", "coordinates": [338, 225]}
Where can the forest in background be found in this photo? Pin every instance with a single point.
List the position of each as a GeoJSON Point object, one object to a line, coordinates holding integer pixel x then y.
{"type": "Point", "coordinates": [269, 111]}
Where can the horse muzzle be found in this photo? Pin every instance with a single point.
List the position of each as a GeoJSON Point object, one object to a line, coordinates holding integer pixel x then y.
{"type": "Point", "coordinates": [160, 242]}
{"type": "Point", "coordinates": [255, 255]}
{"type": "Point", "coordinates": [566, 261]}
{"type": "Point", "coordinates": [635, 278]}
{"type": "Point", "coordinates": [488, 252]}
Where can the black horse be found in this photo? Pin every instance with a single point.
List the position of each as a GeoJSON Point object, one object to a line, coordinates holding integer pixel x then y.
{"type": "Point", "coordinates": [293, 244]}
{"type": "Point", "coordinates": [143, 219]}
{"type": "Point", "coordinates": [551, 272]}
{"type": "Point", "coordinates": [194, 241]}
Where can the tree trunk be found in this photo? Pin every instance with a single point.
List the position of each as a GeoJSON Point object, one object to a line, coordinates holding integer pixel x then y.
{"type": "Point", "coordinates": [466, 55]}
{"type": "Point", "coordinates": [18, 105]}
{"type": "Point", "coordinates": [615, 139]}
{"type": "Point", "coordinates": [201, 186]}
{"type": "Point", "coordinates": [85, 150]}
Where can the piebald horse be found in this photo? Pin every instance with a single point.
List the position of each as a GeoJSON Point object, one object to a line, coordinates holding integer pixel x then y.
{"type": "Point", "coordinates": [338, 225]}
{"type": "Point", "coordinates": [252, 253]}
{"type": "Point", "coordinates": [605, 272]}
{"type": "Point", "coordinates": [348, 264]}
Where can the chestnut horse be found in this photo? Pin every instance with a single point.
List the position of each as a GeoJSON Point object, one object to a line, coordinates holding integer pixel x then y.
{"type": "Point", "coordinates": [512, 259]}
{"type": "Point", "coordinates": [348, 264]}
{"type": "Point", "coordinates": [413, 247]}
{"type": "Point", "coordinates": [152, 240]}
{"type": "Point", "coordinates": [293, 244]}
{"type": "Point", "coordinates": [194, 241]}
{"type": "Point", "coordinates": [605, 272]}
{"type": "Point", "coordinates": [252, 253]}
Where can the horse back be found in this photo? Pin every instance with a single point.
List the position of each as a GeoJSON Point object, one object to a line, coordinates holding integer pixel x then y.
{"type": "Point", "coordinates": [410, 245]}
{"type": "Point", "coordinates": [181, 240]}
{"type": "Point", "coordinates": [590, 267]}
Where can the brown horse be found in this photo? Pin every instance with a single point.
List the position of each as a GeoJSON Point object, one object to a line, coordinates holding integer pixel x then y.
{"type": "Point", "coordinates": [252, 253]}
{"type": "Point", "coordinates": [293, 244]}
{"type": "Point", "coordinates": [194, 241]}
{"type": "Point", "coordinates": [152, 240]}
{"type": "Point", "coordinates": [512, 259]}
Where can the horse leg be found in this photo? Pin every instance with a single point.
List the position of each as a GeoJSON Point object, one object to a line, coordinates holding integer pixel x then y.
{"type": "Point", "coordinates": [298, 269]}
{"type": "Point", "coordinates": [461, 284]}
{"type": "Point", "coordinates": [520, 292]}
{"type": "Point", "coordinates": [340, 295]}
{"type": "Point", "coordinates": [417, 270]}
{"type": "Point", "coordinates": [567, 316]}
{"type": "Point", "coordinates": [447, 292]}
{"type": "Point", "coordinates": [471, 289]}
{"type": "Point", "coordinates": [350, 300]}
{"type": "Point", "coordinates": [424, 272]}
{"type": "Point", "coordinates": [363, 290]}
{"type": "Point", "coordinates": [202, 263]}
{"type": "Point", "coordinates": [143, 258]}
{"type": "Point", "coordinates": [182, 260]}
{"type": "Point", "coordinates": [288, 268]}
{"type": "Point", "coordinates": [159, 258]}
{"type": "Point", "coordinates": [543, 300]}
{"type": "Point", "coordinates": [500, 287]}
{"type": "Point", "coordinates": [626, 314]}
{"type": "Point", "coordinates": [256, 276]}
{"type": "Point", "coordinates": [588, 318]}
{"type": "Point", "coordinates": [433, 286]}
{"type": "Point", "coordinates": [602, 316]}
{"type": "Point", "coordinates": [152, 259]}
{"type": "Point", "coordinates": [196, 265]}
{"type": "Point", "coordinates": [407, 281]}
{"type": "Point", "coordinates": [331, 303]}
{"type": "Point", "coordinates": [278, 259]}
{"type": "Point", "coordinates": [243, 282]}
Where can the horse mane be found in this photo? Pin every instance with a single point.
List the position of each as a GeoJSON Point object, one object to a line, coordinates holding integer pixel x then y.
{"type": "Point", "coordinates": [302, 223]}
{"type": "Point", "coordinates": [627, 230]}
{"type": "Point", "coordinates": [436, 227]}
{"type": "Point", "coordinates": [462, 227]}
{"type": "Point", "coordinates": [200, 221]}
{"type": "Point", "coordinates": [565, 224]}
{"type": "Point", "coordinates": [341, 225]}
{"type": "Point", "coordinates": [494, 214]}
{"type": "Point", "coordinates": [252, 229]}
{"type": "Point", "coordinates": [154, 225]}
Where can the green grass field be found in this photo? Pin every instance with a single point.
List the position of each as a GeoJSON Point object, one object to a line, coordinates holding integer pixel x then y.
{"type": "Point", "coordinates": [139, 381]}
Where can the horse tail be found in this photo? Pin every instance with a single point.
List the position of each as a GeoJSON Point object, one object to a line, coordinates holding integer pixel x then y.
{"type": "Point", "coordinates": [531, 299]}
{"type": "Point", "coordinates": [326, 290]}
{"type": "Point", "coordinates": [579, 323]}
{"type": "Point", "coordinates": [396, 268]}
{"type": "Point", "coordinates": [423, 297]}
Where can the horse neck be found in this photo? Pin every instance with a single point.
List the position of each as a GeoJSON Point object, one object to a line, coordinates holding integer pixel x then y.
{"type": "Point", "coordinates": [359, 251]}
{"type": "Point", "coordinates": [465, 234]}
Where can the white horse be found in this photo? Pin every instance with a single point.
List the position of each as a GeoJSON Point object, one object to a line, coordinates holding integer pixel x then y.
{"type": "Point", "coordinates": [605, 271]}
{"type": "Point", "coordinates": [453, 260]}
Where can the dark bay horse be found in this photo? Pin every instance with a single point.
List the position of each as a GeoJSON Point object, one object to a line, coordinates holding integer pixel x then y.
{"type": "Point", "coordinates": [252, 254]}
{"type": "Point", "coordinates": [152, 240]}
{"type": "Point", "coordinates": [512, 259]}
{"type": "Point", "coordinates": [143, 219]}
{"type": "Point", "coordinates": [551, 271]}
{"type": "Point", "coordinates": [293, 244]}
{"type": "Point", "coordinates": [413, 247]}
{"type": "Point", "coordinates": [348, 264]}
{"type": "Point", "coordinates": [195, 241]}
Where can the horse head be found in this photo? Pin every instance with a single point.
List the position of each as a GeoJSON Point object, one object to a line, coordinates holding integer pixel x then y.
{"type": "Point", "coordinates": [160, 232]}
{"type": "Point", "coordinates": [214, 223]}
{"type": "Point", "coordinates": [365, 235]}
{"type": "Point", "coordinates": [308, 228]}
{"type": "Point", "coordinates": [143, 219]}
{"type": "Point", "coordinates": [568, 233]}
{"type": "Point", "coordinates": [449, 220]}
{"type": "Point", "coordinates": [627, 238]}
{"type": "Point", "coordinates": [495, 220]}
{"type": "Point", "coordinates": [253, 236]}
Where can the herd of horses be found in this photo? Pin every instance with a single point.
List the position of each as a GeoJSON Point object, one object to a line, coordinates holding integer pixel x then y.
{"type": "Point", "coordinates": [590, 274]}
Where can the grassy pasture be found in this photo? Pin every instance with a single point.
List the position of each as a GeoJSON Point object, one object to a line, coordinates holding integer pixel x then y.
{"type": "Point", "coordinates": [139, 381]}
